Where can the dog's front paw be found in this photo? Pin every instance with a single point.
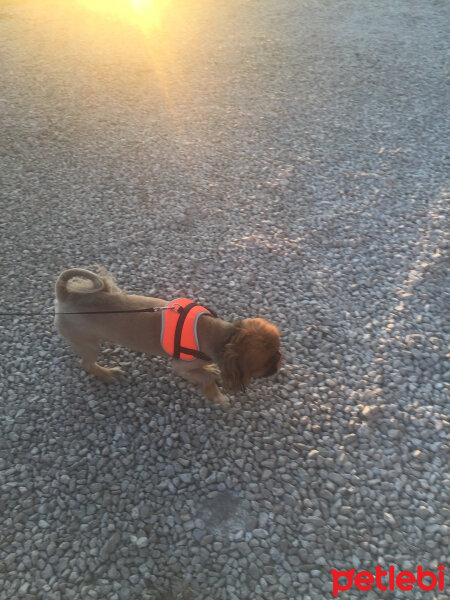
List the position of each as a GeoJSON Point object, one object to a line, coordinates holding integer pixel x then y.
{"type": "Point", "coordinates": [116, 372]}
{"type": "Point", "coordinates": [110, 375]}
{"type": "Point", "coordinates": [222, 399]}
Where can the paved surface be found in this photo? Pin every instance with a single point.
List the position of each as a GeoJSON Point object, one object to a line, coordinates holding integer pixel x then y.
{"type": "Point", "coordinates": [281, 159]}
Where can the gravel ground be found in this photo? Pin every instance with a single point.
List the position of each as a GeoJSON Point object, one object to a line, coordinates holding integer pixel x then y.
{"type": "Point", "coordinates": [278, 159]}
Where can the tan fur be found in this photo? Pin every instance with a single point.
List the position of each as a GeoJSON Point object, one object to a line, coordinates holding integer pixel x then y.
{"type": "Point", "coordinates": [244, 357]}
{"type": "Point", "coordinates": [239, 351]}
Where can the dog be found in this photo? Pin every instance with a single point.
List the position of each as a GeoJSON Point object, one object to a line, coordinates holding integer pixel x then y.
{"type": "Point", "coordinates": [91, 309]}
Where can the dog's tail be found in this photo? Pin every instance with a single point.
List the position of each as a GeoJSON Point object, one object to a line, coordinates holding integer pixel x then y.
{"type": "Point", "coordinates": [88, 283]}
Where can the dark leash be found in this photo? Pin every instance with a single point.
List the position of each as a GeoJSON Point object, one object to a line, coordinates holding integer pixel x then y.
{"type": "Point", "coordinates": [86, 312]}
{"type": "Point", "coordinates": [95, 312]}
{"type": "Point", "coordinates": [183, 311]}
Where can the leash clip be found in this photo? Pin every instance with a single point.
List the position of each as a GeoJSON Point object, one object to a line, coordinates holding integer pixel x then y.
{"type": "Point", "coordinates": [175, 307]}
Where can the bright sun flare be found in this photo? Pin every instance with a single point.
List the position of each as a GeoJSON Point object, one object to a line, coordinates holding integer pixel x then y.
{"type": "Point", "coordinates": [146, 14]}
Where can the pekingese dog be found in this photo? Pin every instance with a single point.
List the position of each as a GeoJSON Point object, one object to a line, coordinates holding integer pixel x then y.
{"type": "Point", "coordinates": [90, 309]}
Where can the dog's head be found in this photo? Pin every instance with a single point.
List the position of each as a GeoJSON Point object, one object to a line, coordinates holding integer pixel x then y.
{"type": "Point", "coordinates": [252, 351]}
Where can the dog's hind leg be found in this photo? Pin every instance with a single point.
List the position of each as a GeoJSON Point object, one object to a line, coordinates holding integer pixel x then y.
{"type": "Point", "coordinates": [89, 350]}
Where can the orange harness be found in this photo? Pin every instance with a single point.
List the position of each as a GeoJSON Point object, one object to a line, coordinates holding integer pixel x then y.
{"type": "Point", "coordinates": [179, 329]}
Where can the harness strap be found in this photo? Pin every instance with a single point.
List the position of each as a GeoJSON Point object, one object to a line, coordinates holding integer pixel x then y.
{"type": "Point", "coordinates": [179, 328]}
{"type": "Point", "coordinates": [196, 353]}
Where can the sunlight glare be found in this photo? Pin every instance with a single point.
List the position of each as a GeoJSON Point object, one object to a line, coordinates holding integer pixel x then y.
{"type": "Point", "coordinates": [153, 45]}
{"type": "Point", "coordinates": [146, 14]}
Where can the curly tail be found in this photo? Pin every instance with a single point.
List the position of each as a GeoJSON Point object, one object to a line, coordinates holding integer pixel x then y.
{"type": "Point", "coordinates": [103, 283]}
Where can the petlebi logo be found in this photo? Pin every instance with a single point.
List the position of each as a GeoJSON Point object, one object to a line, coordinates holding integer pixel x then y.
{"type": "Point", "coordinates": [388, 579]}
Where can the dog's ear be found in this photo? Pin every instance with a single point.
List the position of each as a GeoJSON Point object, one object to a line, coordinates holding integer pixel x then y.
{"type": "Point", "coordinates": [250, 351]}
{"type": "Point", "coordinates": [233, 368]}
